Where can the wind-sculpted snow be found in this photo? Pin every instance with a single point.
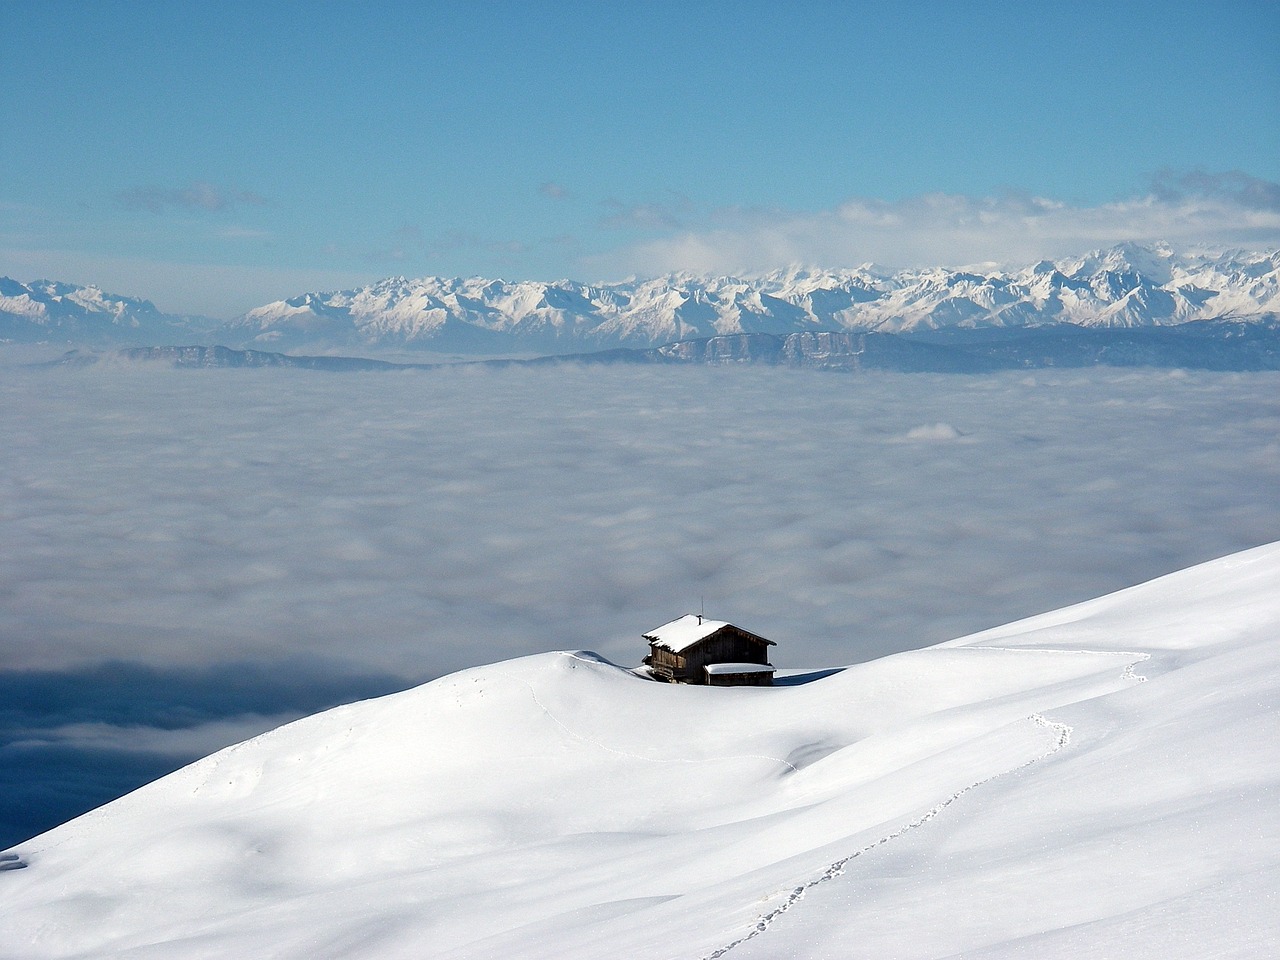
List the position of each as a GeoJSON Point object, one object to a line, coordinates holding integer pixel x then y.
{"type": "Point", "coordinates": [1048, 788]}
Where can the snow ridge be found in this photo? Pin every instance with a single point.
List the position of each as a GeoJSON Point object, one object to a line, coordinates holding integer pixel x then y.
{"type": "Point", "coordinates": [1121, 287]}
{"type": "Point", "coordinates": [582, 738]}
{"type": "Point", "coordinates": [1125, 286]}
{"type": "Point", "coordinates": [52, 310]}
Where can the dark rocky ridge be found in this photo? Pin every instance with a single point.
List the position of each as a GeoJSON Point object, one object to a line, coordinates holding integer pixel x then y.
{"type": "Point", "coordinates": [1201, 345]}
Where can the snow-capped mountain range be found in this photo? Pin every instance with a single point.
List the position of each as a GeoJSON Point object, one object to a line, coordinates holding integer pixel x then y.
{"type": "Point", "coordinates": [1097, 781]}
{"type": "Point", "coordinates": [49, 310]}
{"type": "Point", "coordinates": [1125, 286]}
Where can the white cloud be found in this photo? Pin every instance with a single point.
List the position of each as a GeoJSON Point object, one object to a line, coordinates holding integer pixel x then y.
{"type": "Point", "coordinates": [198, 740]}
{"type": "Point", "coordinates": [1233, 186]}
{"type": "Point", "coordinates": [669, 214]}
{"type": "Point", "coordinates": [235, 232]}
{"type": "Point", "coordinates": [198, 195]}
{"type": "Point", "coordinates": [953, 230]}
{"type": "Point", "coordinates": [417, 523]}
{"type": "Point", "coordinates": [933, 431]}
{"type": "Point", "coordinates": [554, 191]}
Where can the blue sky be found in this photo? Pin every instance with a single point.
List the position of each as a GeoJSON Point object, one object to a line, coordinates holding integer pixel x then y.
{"type": "Point", "coordinates": [219, 156]}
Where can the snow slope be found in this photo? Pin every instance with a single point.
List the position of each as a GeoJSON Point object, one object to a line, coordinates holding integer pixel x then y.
{"type": "Point", "coordinates": [1097, 781]}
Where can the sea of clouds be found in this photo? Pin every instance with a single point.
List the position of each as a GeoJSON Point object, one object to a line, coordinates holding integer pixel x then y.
{"type": "Point", "coordinates": [191, 557]}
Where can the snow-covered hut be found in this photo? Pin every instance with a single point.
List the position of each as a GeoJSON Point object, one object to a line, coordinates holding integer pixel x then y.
{"type": "Point", "coordinates": [693, 649]}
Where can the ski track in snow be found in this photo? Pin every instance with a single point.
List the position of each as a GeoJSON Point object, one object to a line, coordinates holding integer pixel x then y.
{"type": "Point", "coordinates": [1062, 737]}
{"type": "Point", "coordinates": [622, 753]}
{"type": "Point", "coordinates": [1128, 673]}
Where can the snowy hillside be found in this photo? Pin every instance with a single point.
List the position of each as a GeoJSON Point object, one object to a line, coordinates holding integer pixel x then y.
{"type": "Point", "coordinates": [1097, 781]}
{"type": "Point", "coordinates": [1125, 286]}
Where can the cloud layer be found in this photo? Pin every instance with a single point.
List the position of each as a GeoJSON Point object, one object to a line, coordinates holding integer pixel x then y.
{"type": "Point", "coordinates": [418, 523]}
{"type": "Point", "coordinates": [1185, 209]}
{"type": "Point", "coordinates": [400, 526]}
{"type": "Point", "coordinates": [70, 740]}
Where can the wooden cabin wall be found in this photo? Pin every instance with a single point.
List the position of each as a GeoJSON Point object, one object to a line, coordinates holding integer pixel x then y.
{"type": "Point", "coordinates": [727, 649]}
{"type": "Point", "coordinates": [661, 657]}
{"type": "Point", "coordinates": [761, 679]}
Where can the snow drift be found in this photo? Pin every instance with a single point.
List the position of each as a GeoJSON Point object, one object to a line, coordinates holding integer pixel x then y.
{"type": "Point", "coordinates": [1096, 781]}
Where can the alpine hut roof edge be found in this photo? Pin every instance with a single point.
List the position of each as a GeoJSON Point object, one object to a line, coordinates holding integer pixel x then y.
{"type": "Point", "coordinates": [684, 632]}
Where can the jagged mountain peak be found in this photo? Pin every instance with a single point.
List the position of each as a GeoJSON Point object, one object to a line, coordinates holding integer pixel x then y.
{"type": "Point", "coordinates": [54, 310]}
{"type": "Point", "coordinates": [1128, 284]}
{"type": "Point", "coordinates": [1097, 288]}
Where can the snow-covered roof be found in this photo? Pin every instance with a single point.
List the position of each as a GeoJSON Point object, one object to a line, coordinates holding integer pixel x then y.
{"type": "Point", "coordinates": [683, 632]}
{"type": "Point", "coordinates": [739, 668]}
